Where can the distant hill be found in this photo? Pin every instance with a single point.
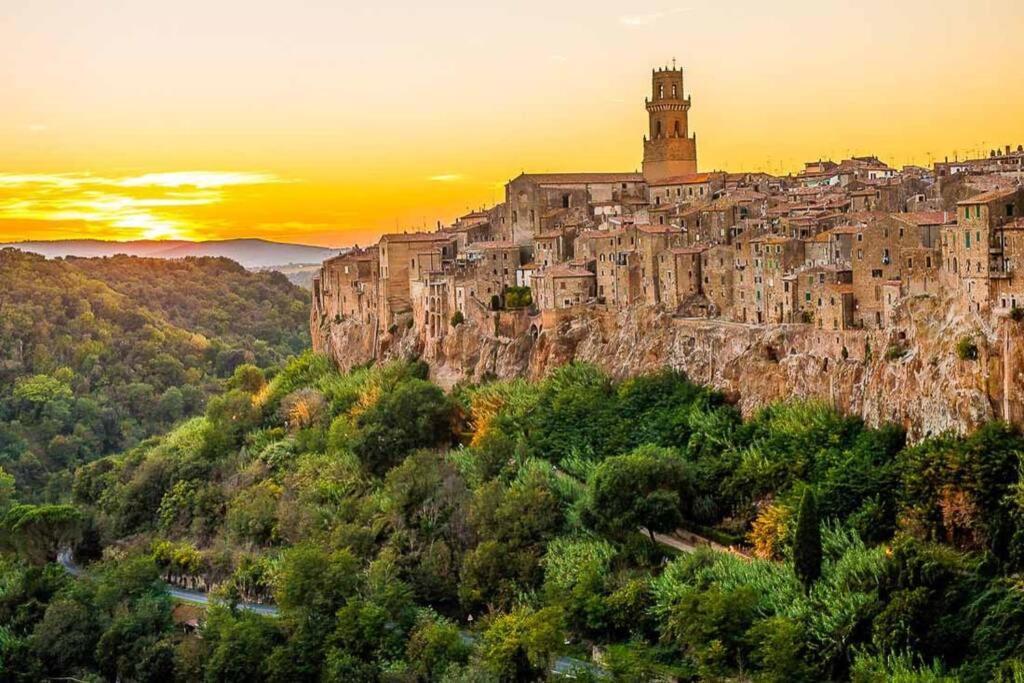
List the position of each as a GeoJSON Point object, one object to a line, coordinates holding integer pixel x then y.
{"type": "Point", "coordinates": [251, 253]}
{"type": "Point", "coordinates": [98, 354]}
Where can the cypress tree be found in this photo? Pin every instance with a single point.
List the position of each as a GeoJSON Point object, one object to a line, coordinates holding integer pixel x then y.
{"type": "Point", "coordinates": [807, 545]}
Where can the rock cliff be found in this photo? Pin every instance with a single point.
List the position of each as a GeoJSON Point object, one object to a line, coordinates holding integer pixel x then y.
{"type": "Point", "coordinates": [909, 373]}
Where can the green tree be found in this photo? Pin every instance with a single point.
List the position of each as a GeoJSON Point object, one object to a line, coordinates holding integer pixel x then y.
{"type": "Point", "coordinates": [39, 532]}
{"type": "Point", "coordinates": [807, 552]}
{"type": "Point", "coordinates": [645, 488]}
{"type": "Point", "coordinates": [416, 414]}
{"type": "Point", "coordinates": [520, 645]}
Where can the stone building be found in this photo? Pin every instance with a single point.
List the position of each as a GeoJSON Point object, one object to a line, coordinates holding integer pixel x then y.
{"type": "Point", "coordinates": [680, 281]}
{"type": "Point", "coordinates": [670, 150]}
{"type": "Point", "coordinates": [564, 286]}
{"type": "Point", "coordinates": [974, 250]}
{"type": "Point", "coordinates": [534, 201]}
{"type": "Point", "coordinates": [405, 257]}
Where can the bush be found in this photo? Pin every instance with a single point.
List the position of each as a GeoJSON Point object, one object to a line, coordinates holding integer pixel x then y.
{"type": "Point", "coordinates": [967, 348]}
{"type": "Point", "coordinates": [458, 318]}
{"type": "Point", "coordinates": [518, 297]}
{"type": "Point", "coordinates": [895, 352]}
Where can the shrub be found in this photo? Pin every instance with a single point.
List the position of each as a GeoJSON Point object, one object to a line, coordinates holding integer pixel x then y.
{"type": "Point", "coordinates": [895, 352]}
{"type": "Point", "coordinates": [967, 348]}
{"type": "Point", "coordinates": [518, 297]}
{"type": "Point", "coordinates": [458, 318]}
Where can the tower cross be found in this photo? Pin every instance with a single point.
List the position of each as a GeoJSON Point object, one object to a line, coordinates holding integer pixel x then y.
{"type": "Point", "coordinates": [673, 63]}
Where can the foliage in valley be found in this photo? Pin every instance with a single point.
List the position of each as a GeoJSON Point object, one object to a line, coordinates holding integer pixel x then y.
{"type": "Point", "coordinates": [98, 354]}
{"type": "Point", "coordinates": [379, 514]}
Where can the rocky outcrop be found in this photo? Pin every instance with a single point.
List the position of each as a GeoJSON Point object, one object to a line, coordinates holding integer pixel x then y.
{"type": "Point", "coordinates": [909, 373]}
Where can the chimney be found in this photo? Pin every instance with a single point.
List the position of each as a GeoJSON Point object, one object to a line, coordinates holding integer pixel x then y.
{"type": "Point", "coordinates": [1007, 150]}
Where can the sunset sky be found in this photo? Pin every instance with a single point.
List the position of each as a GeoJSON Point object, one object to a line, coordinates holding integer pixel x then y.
{"type": "Point", "coordinates": [330, 122]}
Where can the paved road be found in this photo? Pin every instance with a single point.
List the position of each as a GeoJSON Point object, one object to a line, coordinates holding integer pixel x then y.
{"type": "Point", "coordinates": [185, 595]}
{"type": "Point", "coordinates": [563, 666]}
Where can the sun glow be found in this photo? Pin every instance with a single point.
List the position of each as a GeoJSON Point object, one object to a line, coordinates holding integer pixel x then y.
{"type": "Point", "coordinates": [148, 206]}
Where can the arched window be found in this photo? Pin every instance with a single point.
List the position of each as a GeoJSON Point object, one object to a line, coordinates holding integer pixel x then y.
{"type": "Point", "coordinates": [675, 129]}
{"type": "Point", "coordinates": [954, 264]}
{"type": "Point", "coordinates": [657, 129]}
{"type": "Point", "coordinates": [661, 92]}
{"type": "Point", "coordinates": [673, 91]}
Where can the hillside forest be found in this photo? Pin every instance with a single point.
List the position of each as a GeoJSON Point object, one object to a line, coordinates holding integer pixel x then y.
{"type": "Point", "coordinates": [507, 531]}
{"type": "Point", "coordinates": [98, 354]}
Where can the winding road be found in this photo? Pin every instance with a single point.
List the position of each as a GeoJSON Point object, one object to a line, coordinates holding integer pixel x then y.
{"type": "Point", "coordinates": [183, 594]}
{"type": "Point", "coordinates": [562, 666]}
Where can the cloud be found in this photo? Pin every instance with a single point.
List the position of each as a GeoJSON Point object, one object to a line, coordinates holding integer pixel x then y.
{"type": "Point", "coordinates": [636, 20]}
{"type": "Point", "coordinates": [150, 205]}
{"type": "Point", "coordinates": [445, 178]}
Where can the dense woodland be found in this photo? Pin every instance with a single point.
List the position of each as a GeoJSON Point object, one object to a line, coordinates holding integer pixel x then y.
{"type": "Point", "coordinates": [98, 354]}
{"type": "Point", "coordinates": [499, 532]}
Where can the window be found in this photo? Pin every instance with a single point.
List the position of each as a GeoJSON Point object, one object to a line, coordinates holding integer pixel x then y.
{"type": "Point", "coordinates": [928, 262]}
{"type": "Point", "coordinates": [967, 212]}
{"type": "Point", "coordinates": [675, 129]}
{"type": "Point", "coordinates": [657, 129]}
{"type": "Point", "coordinates": [673, 91]}
{"type": "Point", "coordinates": [661, 92]}
{"type": "Point", "coordinates": [967, 240]}
{"type": "Point", "coordinates": [876, 274]}
{"type": "Point", "coordinates": [860, 237]}
{"type": "Point", "coordinates": [1009, 210]}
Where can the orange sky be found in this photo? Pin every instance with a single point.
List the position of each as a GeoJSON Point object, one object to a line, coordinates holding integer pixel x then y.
{"type": "Point", "coordinates": [330, 122]}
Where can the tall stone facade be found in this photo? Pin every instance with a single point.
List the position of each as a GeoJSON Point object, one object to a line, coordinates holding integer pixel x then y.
{"type": "Point", "coordinates": [669, 151]}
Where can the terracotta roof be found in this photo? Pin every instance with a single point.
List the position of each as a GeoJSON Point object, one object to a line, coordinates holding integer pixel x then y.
{"type": "Point", "coordinates": [466, 227]}
{"type": "Point", "coordinates": [416, 237]}
{"type": "Point", "coordinates": [1016, 224]}
{"type": "Point", "coordinates": [689, 251]}
{"type": "Point", "coordinates": [925, 217]}
{"type": "Point", "coordinates": [564, 270]}
{"type": "Point", "coordinates": [691, 179]}
{"type": "Point", "coordinates": [656, 229]}
{"type": "Point", "coordinates": [582, 178]}
{"type": "Point", "coordinates": [548, 235]}
{"type": "Point", "coordinates": [990, 196]}
{"type": "Point", "coordinates": [845, 230]}
{"type": "Point", "coordinates": [494, 244]}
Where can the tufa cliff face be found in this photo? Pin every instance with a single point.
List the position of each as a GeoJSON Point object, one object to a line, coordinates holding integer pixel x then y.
{"type": "Point", "coordinates": [909, 373]}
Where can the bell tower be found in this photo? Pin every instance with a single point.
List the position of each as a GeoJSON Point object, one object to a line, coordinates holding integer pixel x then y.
{"type": "Point", "coordinates": [669, 149]}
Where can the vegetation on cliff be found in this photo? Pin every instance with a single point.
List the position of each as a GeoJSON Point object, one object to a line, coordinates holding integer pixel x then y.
{"type": "Point", "coordinates": [380, 514]}
{"type": "Point", "coordinates": [98, 354]}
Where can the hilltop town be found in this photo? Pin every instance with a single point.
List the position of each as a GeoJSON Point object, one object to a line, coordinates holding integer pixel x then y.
{"type": "Point", "coordinates": [840, 247]}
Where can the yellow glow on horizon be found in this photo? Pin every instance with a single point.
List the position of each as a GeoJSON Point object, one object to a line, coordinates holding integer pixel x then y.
{"type": "Point", "coordinates": [146, 206]}
{"type": "Point", "coordinates": [333, 122]}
